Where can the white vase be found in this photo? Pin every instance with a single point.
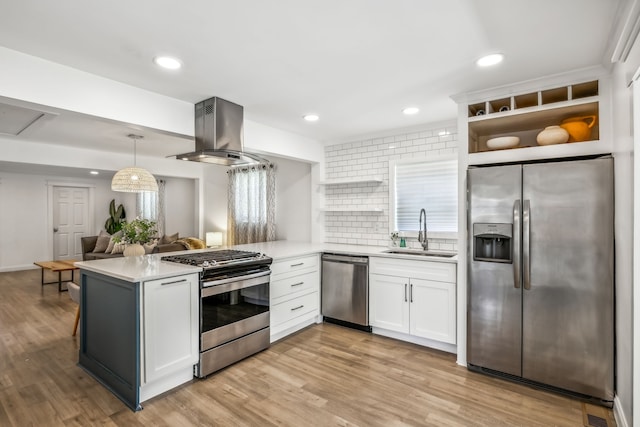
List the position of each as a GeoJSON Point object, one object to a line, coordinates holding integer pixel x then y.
{"type": "Point", "coordinates": [133, 249]}
{"type": "Point", "coordinates": [552, 135]}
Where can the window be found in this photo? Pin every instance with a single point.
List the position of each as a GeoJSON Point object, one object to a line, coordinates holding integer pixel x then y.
{"type": "Point", "coordinates": [147, 204]}
{"type": "Point", "coordinates": [431, 184]}
{"type": "Point", "coordinates": [251, 204]}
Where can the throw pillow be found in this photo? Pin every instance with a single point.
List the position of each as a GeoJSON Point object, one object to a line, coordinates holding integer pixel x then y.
{"type": "Point", "coordinates": [148, 247]}
{"type": "Point", "coordinates": [118, 248]}
{"type": "Point", "coordinates": [112, 243]}
{"type": "Point", "coordinates": [166, 239]}
{"type": "Point", "coordinates": [103, 242]}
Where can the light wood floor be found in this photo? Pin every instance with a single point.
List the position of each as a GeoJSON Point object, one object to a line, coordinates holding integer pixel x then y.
{"type": "Point", "coordinates": [323, 376]}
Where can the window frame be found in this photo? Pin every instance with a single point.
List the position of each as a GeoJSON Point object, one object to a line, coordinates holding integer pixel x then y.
{"type": "Point", "coordinates": [392, 196]}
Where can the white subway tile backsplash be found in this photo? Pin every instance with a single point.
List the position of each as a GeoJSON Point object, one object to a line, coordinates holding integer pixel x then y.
{"type": "Point", "coordinates": [367, 159]}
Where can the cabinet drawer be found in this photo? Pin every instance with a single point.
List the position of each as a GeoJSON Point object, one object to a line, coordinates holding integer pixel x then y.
{"type": "Point", "coordinates": [427, 270]}
{"type": "Point", "coordinates": [296, 307]}
{"type": "Point", "coordinates": [293, 265]}
{"type": "Point", "coordinates": [300, 283]}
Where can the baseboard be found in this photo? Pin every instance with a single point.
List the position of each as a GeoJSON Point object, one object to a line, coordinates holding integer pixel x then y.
{"type": "Point", "coordinates": [18, 268]}
{"type": "Point", "coordinates": [449, 348]}
{"type": "Point", "coordinates": [618, 413]}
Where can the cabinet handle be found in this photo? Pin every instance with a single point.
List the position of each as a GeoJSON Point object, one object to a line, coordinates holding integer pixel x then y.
{"type": "Point", "coordinates": [405, 292]}
{"type": "Point", "coordinates": [297, 284]}
{"type": "Point", "coordinates": [171, 283]}
{"type": "Point", "coordinates": [297, 265]}
{"type": "Point", "coordinates": [411, 293]}
{"type": "Point", "coordinates": [297, 308]}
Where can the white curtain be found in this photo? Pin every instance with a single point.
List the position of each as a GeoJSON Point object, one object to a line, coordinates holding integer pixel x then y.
{"type": "Point", "coordinates": [151, 206]}
{"type": "Point", "coordinates": [252, 204]}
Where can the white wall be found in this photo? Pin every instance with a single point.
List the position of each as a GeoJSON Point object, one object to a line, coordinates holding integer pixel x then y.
{"type": "Point", "coordinates": [624, 200]}
{"type": "Point", "coordinates": [180, 213]}
{"type": "Point", "coordinates": [215, 199]}
{"type": "Point", "coordinates": [32, 79]}
{"type": "Point", "coordinates": [25, 212]}
{"type": "Point", "coordinates": [293, 200]}
{"type": "Point", "coordinates": [370, 158]}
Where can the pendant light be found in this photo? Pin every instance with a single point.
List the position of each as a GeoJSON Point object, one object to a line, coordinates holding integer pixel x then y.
{"type": "Point", "coordinates": [134, 179]}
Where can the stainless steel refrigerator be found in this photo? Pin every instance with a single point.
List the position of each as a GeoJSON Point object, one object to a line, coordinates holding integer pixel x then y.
{"type": "Point", "coordinates": [541, 271]}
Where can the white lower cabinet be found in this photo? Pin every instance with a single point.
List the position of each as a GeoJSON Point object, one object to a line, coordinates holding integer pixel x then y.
{"type": "Point", "coordinates": [413, 297]}
{"type": "Point", "coordinates": [170, 332]}
{"type": "Point", "coordinates": [294, 294]}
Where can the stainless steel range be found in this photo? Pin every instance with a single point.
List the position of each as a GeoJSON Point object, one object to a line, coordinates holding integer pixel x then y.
{"type": "Point", "coordinates": [234, 305]}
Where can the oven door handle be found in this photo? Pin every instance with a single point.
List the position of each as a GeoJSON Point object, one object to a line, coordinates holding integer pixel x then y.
{"type": "Point", "coordinates": [216, 287]}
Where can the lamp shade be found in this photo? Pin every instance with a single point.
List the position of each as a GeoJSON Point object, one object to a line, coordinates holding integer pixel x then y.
{"type": "Point", "coordinates": [214, 238]}
{"type": "Point", "coordinates": [134, 180]}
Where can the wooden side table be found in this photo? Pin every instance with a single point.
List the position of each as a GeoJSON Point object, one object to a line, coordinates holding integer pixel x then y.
{"type": "Point", "coordinates": [59, 267]}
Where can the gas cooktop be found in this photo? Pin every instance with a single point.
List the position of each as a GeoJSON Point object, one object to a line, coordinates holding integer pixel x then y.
{"type": "Point", "coordinates": [219, 258]}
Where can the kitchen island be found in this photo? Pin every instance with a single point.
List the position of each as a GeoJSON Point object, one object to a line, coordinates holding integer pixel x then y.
{"type": "Point", "coordinates": [138, 325]}
{"type": "Point", "coordinates": [140, 315]}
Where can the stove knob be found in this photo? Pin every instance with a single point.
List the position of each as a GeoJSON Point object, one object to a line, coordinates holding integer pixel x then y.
{"type": "Point", "coordinates": [205, 263]}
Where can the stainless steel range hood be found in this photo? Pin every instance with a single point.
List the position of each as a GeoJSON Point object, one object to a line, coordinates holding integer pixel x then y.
{"type": "Point", "coordinates": [219, 134]}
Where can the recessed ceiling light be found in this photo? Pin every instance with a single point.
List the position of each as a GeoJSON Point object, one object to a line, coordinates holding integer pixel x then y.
{"type": "Point", "coordinates": [167, 62]}
{"type": "Point", "coordinates": [94, 172]}
{"type": "Point", "coordinates": [489, 60]}
{"type": "Point", "coordinates": [410, 110]}
{"type": "Point", "coordinates": [311, 117]}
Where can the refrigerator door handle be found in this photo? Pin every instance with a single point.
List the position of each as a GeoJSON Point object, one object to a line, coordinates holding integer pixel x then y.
{"type": "Point", "coordinates": [526, 243]}
{"type": "Point", "coordinates": [516, 244]}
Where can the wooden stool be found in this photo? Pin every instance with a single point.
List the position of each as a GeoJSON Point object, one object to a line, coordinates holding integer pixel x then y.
{"type": "Point", "coordinates": [74, 293]}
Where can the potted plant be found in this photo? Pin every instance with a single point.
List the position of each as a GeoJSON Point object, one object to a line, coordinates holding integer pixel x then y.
{"type": "Point", "coordinates": [135, 234]}
{"type": "Point", "coordinates": [116, 218]}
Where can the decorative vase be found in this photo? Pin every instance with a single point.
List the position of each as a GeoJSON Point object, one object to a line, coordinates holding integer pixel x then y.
{"type": "Point", "coordinates": [552, 135]}
{"type": "Point", "coordinates": [133, 249]}
{"type": "Point", "coordinates": [578, 128]}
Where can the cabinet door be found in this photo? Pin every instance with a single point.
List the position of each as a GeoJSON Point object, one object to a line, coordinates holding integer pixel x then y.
{"type": "Point", "coordinates": [433, 310]}
{"type": "Point", "coordinates": [171, 325]}
{"type": "Point", "coordinates": [389, 302]}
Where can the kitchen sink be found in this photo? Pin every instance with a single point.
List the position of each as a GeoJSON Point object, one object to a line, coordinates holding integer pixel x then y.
{"type": "Point", "coordinates": [420, 253]}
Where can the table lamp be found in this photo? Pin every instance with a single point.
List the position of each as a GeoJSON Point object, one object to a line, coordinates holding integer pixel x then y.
{"type": "Point", "coordinates": [214, 239]}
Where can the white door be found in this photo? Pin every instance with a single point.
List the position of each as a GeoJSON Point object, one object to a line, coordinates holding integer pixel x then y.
{"type": "Point", "coordinates": [389, 302]}
{"type": "Point", "coordinates": [70, 221]}
{"type": "Point", "coordinates": [433, 310]}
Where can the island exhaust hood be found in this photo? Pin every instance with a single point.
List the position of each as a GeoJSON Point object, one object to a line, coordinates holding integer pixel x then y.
{"type": "Point", "coordinates": [219, 134]}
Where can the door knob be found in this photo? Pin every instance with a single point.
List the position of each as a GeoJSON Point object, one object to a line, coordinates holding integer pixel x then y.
{"type": "Point", "coordinates": [55, 229]}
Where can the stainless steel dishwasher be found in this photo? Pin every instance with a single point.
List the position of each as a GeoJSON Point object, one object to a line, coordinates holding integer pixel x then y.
{"type": "Point", "coordinates": [345, 290]}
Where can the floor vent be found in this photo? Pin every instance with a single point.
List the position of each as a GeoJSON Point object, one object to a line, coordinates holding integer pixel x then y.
{"type": "Point", "coordinates": [597, 416]}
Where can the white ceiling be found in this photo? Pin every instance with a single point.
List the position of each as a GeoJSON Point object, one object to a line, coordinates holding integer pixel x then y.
{"type": "Point", "coordinates": [355, 63]}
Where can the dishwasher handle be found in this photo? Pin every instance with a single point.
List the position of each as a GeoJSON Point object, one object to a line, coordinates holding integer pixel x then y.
{"type": "Point", "coordinates": [346, 259]}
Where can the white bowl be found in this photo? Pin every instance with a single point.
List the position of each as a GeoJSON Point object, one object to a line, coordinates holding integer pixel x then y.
{"type": "Point", "coordinates": [503, 142]}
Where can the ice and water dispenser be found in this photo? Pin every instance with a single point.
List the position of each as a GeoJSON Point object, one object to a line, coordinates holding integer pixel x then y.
{"type": "Point", "coordinates": [492, 242]}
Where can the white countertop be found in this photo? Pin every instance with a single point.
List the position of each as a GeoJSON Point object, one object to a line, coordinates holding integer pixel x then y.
{"type": "Point", "coordinates": [137, 268]}
{"type": "Point", "coordinates": [281, 249]}
{"type": "Point", "coordinates": [149, 267]}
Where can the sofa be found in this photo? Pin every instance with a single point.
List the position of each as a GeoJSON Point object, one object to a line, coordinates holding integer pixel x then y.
{"type": "Point", "coordinates": [89, 244]}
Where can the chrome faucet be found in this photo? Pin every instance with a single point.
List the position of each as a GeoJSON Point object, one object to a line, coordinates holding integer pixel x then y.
{"type": "Point", "coordinates": [422, 235]}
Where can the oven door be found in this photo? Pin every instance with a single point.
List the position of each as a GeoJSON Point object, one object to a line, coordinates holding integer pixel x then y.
{"type": "Point", "coordinates": [233, 307]}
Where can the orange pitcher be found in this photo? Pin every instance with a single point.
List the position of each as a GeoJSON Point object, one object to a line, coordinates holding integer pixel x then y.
{"type": "Point", "coordinates": [579, 128]}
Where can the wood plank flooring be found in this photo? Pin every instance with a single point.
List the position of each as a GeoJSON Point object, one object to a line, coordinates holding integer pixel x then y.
{"type": "Point", "coordinates": [325, 375]}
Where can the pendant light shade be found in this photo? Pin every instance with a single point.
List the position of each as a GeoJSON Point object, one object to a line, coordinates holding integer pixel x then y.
{"type": "Point", "coordinates": [134, 179]}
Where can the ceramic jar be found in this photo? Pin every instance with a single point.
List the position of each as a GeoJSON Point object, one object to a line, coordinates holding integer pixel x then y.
{"type": "Point", "coordinates": [133, 249]}
{"type": "Point", "coordinates": [578, 128]}
{"type": "Point", "coordinates": [552, 135]}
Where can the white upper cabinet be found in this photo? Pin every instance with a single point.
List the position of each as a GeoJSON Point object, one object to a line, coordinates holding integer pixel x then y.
{"type": "Point", "coordinates": [502, 125]}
